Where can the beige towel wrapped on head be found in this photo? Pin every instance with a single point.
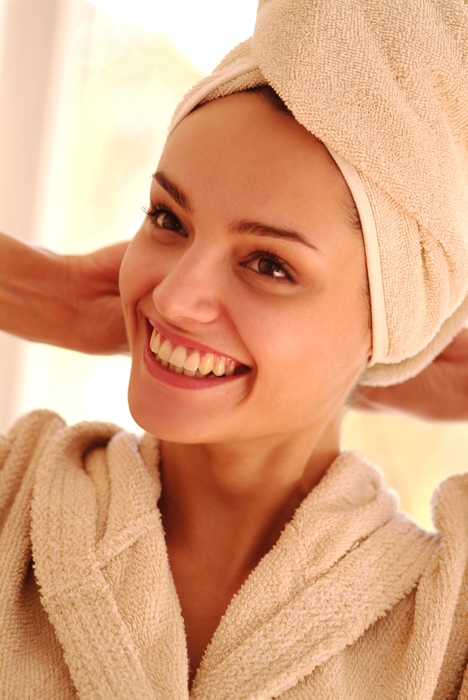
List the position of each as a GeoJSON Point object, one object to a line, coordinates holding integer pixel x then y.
{"type": "Point", "coordinates": [384, 85]}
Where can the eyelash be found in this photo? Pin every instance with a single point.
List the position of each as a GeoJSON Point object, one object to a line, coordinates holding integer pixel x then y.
{"type": "Point", "coordinates": [154, 210]}
{"type": "Point", "coordinates": [262, 254]}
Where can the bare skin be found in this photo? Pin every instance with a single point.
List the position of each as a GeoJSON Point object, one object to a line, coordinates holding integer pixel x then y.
{"type": "Point", "coordinates": [219, 528]}
{"type": "Point", "coordinates": [438, 393]}
{"type": "Point", "coordinates": [72, 301]}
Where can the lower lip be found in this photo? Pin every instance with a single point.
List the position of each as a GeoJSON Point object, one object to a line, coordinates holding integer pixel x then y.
{"type": "Point", "coordinates": [181, 381]}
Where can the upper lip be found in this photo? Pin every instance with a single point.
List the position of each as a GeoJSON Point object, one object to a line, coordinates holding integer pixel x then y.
{"type": "Point", "coordinates": [177, 339]}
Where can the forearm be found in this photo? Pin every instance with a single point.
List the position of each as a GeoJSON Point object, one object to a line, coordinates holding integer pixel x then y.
{"type": "Point", "coordinates": [68, 300]}
{"type": "Point", "coordinates": [440, 392]}
{"type": "Point", "coordinates": [34, 293]}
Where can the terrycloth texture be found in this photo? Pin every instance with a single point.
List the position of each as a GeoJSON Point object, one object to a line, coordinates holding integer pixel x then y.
{"type": "Point", "coordinates": [353, 601]}
{"type": "Point", "coordinates": [384, 85]}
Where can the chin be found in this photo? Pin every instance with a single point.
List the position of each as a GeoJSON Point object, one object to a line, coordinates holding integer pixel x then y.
{"type": "Point", "coordinates": [175, 414]}
{"type": "Point", "coordinates": [166, 424]}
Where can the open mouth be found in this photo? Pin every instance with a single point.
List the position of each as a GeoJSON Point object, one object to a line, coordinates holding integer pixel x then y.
{"type": "Point", "coordinates": [182, 359]}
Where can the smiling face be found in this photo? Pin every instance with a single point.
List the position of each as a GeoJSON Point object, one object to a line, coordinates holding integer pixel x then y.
{"type": "Point", "coordinates": [246, 254]}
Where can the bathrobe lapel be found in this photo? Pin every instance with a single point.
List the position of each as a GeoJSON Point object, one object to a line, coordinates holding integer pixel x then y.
{"type": "Point", "coordinates": [344, 560]}
{"type": "Point", "coordinates": [109, 595]}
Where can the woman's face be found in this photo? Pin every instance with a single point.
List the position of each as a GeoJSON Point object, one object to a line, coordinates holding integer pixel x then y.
{"type": "Point", "coordinates": [246, 253]}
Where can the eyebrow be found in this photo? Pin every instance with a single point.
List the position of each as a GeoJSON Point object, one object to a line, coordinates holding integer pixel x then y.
{"type": "Point", "coordinates": [177, 194]}
{"type": "Point", "coordinates": [255, 228]}
{"type": "Point", "coordinates": [245, 226]}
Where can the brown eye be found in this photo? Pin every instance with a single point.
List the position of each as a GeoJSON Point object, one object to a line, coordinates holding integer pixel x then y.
{"type": "Point", "coordinates": [166, 220]}
{"type": "Point", "coordinates": [269, 265]}
{"type": "Point", "coordinates": [271, 268]}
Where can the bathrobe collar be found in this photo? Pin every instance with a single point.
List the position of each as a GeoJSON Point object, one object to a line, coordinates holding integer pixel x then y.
{"type": "Point", "coordinates": [343, 561]}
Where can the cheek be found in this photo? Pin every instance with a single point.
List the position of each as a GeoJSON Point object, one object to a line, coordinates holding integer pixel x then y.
{"type": "Point", "coordinates": [128, 281]}
{"type": "Point", "coordinates": [308, 351]}
{"type": "Point", "coordinates": [136, 279]}
{"type": "Point", "coordinates": [298, 336]}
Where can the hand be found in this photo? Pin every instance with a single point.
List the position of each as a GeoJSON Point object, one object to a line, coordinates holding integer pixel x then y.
{"type": "Point", "coordinates": [440, 392]}
{"type": "Point", "coordinates": [98, 324]}
{"type": "Point", "coordinates": [70, 301]}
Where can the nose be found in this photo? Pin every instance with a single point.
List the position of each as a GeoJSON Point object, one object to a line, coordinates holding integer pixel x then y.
{"type": "Point", "coordinates": [191, 290]}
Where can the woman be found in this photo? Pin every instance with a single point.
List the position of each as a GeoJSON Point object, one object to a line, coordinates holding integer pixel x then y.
{"type": "Point", "coordinates": [243, 551]}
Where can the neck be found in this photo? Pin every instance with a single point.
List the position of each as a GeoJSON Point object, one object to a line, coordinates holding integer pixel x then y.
{"type": "Point", "coordinates": [225, 505]}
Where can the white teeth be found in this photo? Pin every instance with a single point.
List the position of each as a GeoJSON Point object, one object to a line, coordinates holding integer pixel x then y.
{"type": "Point", "coordinates": [192, 361]}
{"type": "Point", "coordinates": [165, 351]}
{"type": "Point", "coordinates": [177, 359]}
{"type": "Point", "coordinates": [178, 356]}
{"type": "Point", "coordinates": [155, 341]}
{"type": "Point", "coordinates": [219, 367]}
{"type": "Point", "coordinates": [230, 369]}
{"type": "Point", "coordinates": [206, 365]}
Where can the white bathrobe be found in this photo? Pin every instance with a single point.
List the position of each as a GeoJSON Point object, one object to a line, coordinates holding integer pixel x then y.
{"type": "Point", "coordinates": [354, 601]}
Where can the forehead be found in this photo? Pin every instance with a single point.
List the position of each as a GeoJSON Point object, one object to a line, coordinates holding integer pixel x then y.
{"type": "Point", "coordinates": [243, 148]}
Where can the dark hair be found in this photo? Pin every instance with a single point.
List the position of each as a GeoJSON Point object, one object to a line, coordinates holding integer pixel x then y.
{"type": "Point", "coordinates": [273, 98]}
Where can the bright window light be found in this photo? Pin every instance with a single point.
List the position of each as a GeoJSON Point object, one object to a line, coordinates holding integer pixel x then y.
{"type": "Point", "coordinates": [204, 30]}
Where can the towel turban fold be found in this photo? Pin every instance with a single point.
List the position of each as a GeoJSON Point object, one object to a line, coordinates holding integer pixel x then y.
{"type": "Point", "coordinates": [384, 85]}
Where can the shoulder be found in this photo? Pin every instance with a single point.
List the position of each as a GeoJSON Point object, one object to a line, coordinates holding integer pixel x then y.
{"type": "Point", "coordinates": [40, 446]}
{"type": "Point", "coordinates": [20, 450]}
{"type": "Point", "coordinates": [26, 432]}
{"type": "Point", "coordinates": [450, 506]}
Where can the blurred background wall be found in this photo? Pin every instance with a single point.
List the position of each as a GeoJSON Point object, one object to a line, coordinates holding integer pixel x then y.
{"type": "Point", "coordinates": [87, 90]}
